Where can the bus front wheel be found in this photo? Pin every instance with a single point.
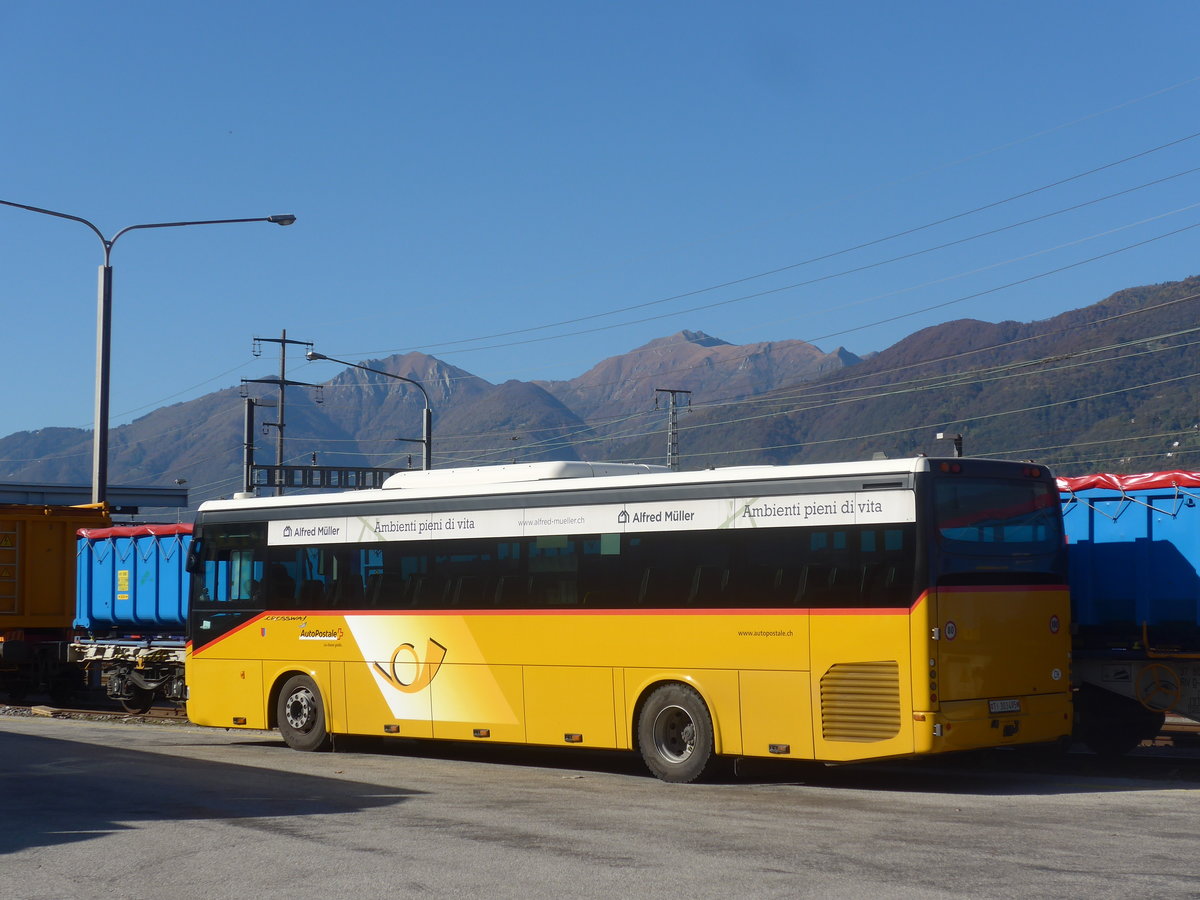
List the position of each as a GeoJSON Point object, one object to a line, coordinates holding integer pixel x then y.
{"type": "Point", "coordinates": [301, 715]}
{"type": "Point", "coordinates": [675, 734]}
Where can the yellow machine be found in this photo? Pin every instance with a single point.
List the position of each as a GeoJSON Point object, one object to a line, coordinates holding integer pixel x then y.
{"type": "Point", "coordinates": [37, 594]}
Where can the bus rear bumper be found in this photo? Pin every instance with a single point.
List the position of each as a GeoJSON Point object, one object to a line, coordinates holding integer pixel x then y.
{"type": "Point", "coordinates": [970, 725]}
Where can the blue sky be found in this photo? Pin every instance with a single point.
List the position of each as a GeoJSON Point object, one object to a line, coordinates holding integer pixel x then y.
{"type": "Point", "coordinates": [525, 189]}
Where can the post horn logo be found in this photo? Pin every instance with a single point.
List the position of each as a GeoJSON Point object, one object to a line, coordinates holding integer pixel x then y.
{"type": "Point", "coordinates": [425, 670]}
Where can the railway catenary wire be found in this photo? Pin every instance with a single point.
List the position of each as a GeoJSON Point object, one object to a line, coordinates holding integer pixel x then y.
{"type": "Point", "coordinates": [911, 313]}
{"type": "Point", "coordinates": [923, 426]}
{"type": "Point", "coordinates": [807, 388]}
{"type": "Point", "coordinates": [960, 378]}
{"type": "Point", "coordinates": [902, 257]}
{"type": "Point", "coordinates": [820, 258]}
{"type": "Point", "coordinates": [927, 383]}
{"type": "Point", "coordinates": [914, 229]}
{"type": "Point", "coordinates": [833, 387]}
{"type": "Point", "coordinates": [930, 383]}
{"type": "Point", "coordinates": [774, 397]}
{"type": "Point", "coordinates": [961, 299]}
{"type": "Point", "coordinates": [956, 379]}
{"type": "Point", "coordinates": [506, 451]}
{"type": "Point", "coordinates": [902, 233]}
{"type": "Point", "coordinates": [900, 180]}
{"type": "Point", "coordinates": [943, 424]}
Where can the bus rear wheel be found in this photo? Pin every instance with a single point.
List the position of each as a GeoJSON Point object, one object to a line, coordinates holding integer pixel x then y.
{"type": "Point", "coordinates": [301, 715]}
{"type": "Point", "coordinates": [675, 734]}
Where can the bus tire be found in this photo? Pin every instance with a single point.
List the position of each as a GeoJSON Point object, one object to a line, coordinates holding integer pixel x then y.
{"type": "Point", "coordinates": [301, 715]}
{"type": "Point", "coordinates": [675, 734]}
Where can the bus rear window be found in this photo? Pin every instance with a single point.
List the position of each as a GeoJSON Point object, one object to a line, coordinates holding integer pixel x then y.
{"type": "Point", "coordinates": [997, 511]}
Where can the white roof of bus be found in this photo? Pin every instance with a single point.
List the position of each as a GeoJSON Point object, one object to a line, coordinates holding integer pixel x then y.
{"type": "Point", "coordinates": [570, 475]}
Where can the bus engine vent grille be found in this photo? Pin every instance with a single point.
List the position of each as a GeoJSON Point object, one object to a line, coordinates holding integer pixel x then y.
{"type": "Point", "coordinates": [861, 701]}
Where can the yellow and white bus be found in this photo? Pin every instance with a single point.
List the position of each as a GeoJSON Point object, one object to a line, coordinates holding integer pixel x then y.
{"type": "Point", "coordinates": [836, 612]}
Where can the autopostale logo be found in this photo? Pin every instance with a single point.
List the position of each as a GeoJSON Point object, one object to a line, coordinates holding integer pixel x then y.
{"type": "Point", "coordinates": [409, 671]}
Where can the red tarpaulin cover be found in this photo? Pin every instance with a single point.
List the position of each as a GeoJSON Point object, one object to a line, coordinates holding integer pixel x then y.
{"type": "Point", "coordinates": [1145, 481]}
{"type": "Point", "coordinates": [135, 531]}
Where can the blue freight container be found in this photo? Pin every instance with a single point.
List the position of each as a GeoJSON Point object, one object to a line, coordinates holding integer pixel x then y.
{"type": "Point", "coordinates": [1134, 558]}
{"type": "Point", "coordinates": [131, 580]}
{"type": "Point", "coordinates": [1134, 548]}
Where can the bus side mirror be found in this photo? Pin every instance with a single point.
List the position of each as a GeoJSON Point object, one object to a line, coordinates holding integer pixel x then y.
{"type": "Point", "coordinates": [194, 556]}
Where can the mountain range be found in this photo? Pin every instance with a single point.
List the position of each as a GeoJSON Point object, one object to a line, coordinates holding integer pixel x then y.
{"type": "Point", "coordinates": [1112, 387]}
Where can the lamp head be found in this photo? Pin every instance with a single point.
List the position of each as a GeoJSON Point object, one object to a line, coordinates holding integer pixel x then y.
{"type": "Point", "coordinates": [282, 220]}
{"type": "Point", "coordinates": [313, 355]}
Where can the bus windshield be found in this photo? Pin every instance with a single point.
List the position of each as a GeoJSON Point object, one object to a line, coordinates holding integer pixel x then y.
{"type": "Point", "coordinates": [998, 511]}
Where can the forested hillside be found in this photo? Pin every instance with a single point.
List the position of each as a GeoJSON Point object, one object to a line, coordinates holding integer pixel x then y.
{"type": "Point", "coordinates": [1110, 387]}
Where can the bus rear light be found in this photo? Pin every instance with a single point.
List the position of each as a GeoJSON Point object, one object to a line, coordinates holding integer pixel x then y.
{"type": "Point", "coordinates": [391, 729]}
{"type": "Point", "coordinates": [918, 717]}
{"type": "Point", "coordinates": [951, 468]}
{"type": "Point", "coordinates": [573, 738]}
{"type": "Point", "coordinates": [482, 732]}
{"type": "Point", "coordinates": [1033, 472]}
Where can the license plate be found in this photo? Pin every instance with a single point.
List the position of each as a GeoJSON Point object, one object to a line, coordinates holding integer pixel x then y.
{"type": "Point", "coordinates": [1004, 706]}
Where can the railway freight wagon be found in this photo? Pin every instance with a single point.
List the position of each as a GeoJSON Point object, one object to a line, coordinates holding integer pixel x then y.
{"type": "Point", "coordinates": [37, 595]}
{"type": "Point", "coordinates": [131, 603]}
{"type": "Point", "coordinates": [1134, 551]}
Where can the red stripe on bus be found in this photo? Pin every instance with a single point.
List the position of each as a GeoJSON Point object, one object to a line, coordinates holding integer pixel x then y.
{"type": "Point", "coordinates": [657, 611]}
{"type": "Point", "coordinates": [229, 633]}
{"type": "Point", "coordinates": [1004, 589]}
{"type": "Point", "coordinates": [660, 611]}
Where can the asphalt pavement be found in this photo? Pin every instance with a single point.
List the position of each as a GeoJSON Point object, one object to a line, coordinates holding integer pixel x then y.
{"type": "Point", "coordinates": [111, 809]}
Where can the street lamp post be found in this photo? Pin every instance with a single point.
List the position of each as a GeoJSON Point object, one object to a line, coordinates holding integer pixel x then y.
{"type": "Point", "coordinates": [427, 419]}
{"type": "Point", "coordinates": [104, 328]}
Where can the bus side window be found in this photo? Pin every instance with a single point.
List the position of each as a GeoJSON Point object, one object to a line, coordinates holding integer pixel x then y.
{"type": "Point", "coordinates": [754, 586]}
{"type": "Point", "coordinates": [430, 592]}
{"type": "Point", "coordinates": [664, 587]}
{"type": "Point", "coordinates": [389, 590]}
{"type": "Point", "coordinates": [348, 591]}
{"type": "Point", "coordinates": [241, 574]}
{"type": "Point", "coordinates": [280, 587]}
{"type": "Point", "coordinates": [312, 594]}
{"type": "Point", "coordinates": [473, 592]}
{"type": "Point", "coordinates": [815, 584]}
{"type": "Point", "coordinates": [708, 586]}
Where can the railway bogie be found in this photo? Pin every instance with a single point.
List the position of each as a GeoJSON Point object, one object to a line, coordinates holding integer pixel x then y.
{"type": "Point", "coordinates": [132, 605]}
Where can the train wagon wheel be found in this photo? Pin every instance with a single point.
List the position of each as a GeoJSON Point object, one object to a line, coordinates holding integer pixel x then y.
{"type": "Point", "coordinates": [140, 700]}
{"type": "Point", "coordinates": [675, 734]}
{"type": "Point", "coordinates": [1113, 725]}
{"type": "Point", "coordinates": [64, 684]}
{"type": "Point", "coordinates": [301, 715]}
